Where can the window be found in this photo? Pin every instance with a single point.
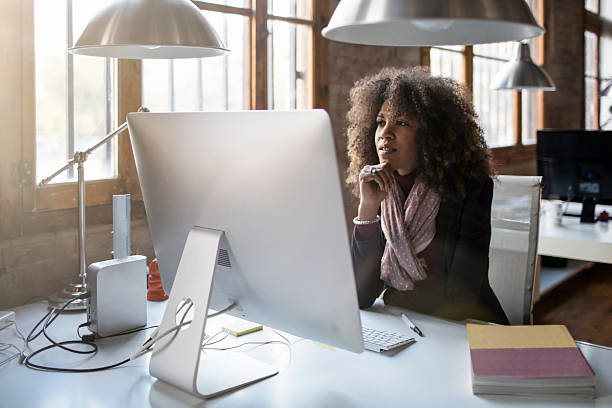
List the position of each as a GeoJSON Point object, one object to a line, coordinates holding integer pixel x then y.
{"type": "Point", "coordinates": [447, 62]}
{"type": "Point", "coordinates": [597, 65]}
{"type": "Point", "coordinates": [495, 107]}
{"type": "Point", "coordinates": [591, 80]}
{"type": "Point", "coordinates": [507, 118]}
{"type": "Point", "coordinates": [75, 95]}
{"type": "Point", "coordinates": [289, 48]}
{"type": "Point", "coordinates": [592, 5]}
{"type": "Point", "coordinates": [233, 81]}
{"type": "Point", "coordinates": [197, 84]}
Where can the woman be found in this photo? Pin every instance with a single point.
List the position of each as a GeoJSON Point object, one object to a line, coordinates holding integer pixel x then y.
{"type": "Point", "coordinates": [421, 169]}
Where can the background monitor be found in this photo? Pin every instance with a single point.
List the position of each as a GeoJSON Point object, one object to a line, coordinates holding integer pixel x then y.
{"type": "Point", "coordinates": [270, 181]}
{"type": "Point", "coordinates": [576, 165]}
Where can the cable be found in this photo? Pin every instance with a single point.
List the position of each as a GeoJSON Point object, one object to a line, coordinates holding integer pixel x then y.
{"type": "Point", "coordinates": [30, 338]}
{"type": "Point", "coordinates": [259, 343]}
{"type": "Point", "coordinates": [227, 309]}
{"type": "Point", "coordinates": [48, 319]}
{"type": "Point", "coordinates": [93, 349]}
{"type": "Point", "coordinates": [209, 340]}
{"type": "Point", "coordinates": [29, 364]}
{"type": "Point", "coordinates": [129, 332]}
{"type": "Point", "coordinates": [146, 347]}
{"type": "Point", "coordinates": [79, 328]}
{"type": "Point", "coordinates": [286, 342]}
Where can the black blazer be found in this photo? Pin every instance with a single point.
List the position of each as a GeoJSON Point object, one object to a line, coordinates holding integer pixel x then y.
{"type": "Point", "coordinates": [459, 288]}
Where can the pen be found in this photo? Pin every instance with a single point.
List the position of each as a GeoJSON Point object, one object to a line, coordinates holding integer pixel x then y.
{"type": "Point", "coordinates": [412, 325]}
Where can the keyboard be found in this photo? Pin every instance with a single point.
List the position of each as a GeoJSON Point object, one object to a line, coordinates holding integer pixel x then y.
{"type": "Point", "coordinates": [380, 340]}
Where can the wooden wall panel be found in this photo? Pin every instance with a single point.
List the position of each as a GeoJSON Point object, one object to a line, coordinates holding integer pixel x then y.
{"type": "Point", "coordinates": [10, 116]}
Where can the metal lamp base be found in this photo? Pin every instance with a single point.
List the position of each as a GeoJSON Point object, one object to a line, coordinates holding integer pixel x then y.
{"type": "Point", "coordinates": [60, 298]}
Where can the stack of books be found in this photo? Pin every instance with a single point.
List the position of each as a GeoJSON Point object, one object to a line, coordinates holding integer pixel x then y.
{"type": "Point", "coordinates": [529, 361]}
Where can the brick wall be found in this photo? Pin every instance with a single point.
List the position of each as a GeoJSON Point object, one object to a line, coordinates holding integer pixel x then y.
{"type": "Point", "coordinates": [564, 61]}
{"type": "Point", "coordinates": [40, 264]}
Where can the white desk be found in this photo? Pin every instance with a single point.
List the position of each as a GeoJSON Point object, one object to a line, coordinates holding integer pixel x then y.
{"type": "Point", "coordinates": [581, 243]}
{"type": "Point", "coordinates": [435, 372]}
{"type": "Point", "coordinates": [575, 240]}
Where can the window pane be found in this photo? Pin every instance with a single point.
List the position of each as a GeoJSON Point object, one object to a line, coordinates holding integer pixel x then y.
{"type": "Point", "coordinates": [289, 72]}
{"type": "Point", "coordinates": [605, 114]}
{"type": "Point", "coordinates": [291, 8]}
{"type": "Point", "coordinates": [605, 57]}
{"type": "Point", "coordinates": [156, 85]}
{"type": "Point", "coordinates": [90, 125]}
{"type": "Point", "coordinates": [187, 87]}
{"type": "Point", "coordinates": [446, 63]}
{"type": "Point", "coordinates": [606, 9]}
{"type": "Point", "coordinates": [592, 5]}
{"type": "Point", "coordinates": [50, 83]}
{"type": "Point", "coordinates": [590, 92]}
{"type": "Point", "coordinates": [218, 83]}
{"type": "Point", "coordinates": [497, 50]}
{"type": "Point", "coordinates": [74, 108]}
{"type": "Point", "coordinates": [495, 108]}
{"type": "Point", "coordinates": [590, 57]}
{"type": "Point", "coordinates": [530, 115]}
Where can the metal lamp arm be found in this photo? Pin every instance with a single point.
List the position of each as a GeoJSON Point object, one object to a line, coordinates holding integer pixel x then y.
{"type": "Point", "coordinates": [80, 157]}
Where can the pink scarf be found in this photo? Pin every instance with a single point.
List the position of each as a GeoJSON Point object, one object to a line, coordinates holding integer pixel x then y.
{"type": "Point", "coordinates": [409, 229]}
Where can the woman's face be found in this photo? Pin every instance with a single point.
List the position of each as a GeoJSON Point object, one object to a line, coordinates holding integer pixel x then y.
{"type": "Point", "coordinates": [395, 140]}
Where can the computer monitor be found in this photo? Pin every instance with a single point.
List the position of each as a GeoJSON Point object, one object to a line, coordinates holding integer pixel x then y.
{"type": "Point", "coordinates": [576, 165]}
{"type": "Point", "coordinates": [269, 182]}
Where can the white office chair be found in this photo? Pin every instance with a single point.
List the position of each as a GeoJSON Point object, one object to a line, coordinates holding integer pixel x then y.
{"type": "Point", "coordinates": [514, 238]}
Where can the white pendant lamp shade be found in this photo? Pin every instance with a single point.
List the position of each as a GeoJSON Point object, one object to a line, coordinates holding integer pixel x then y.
{"type": "Point", "coordinates": [149, 29]}
{"type": "Point", "coordinates": [522, 73]}
{"type": "Point", "coordinates": [431, 22]}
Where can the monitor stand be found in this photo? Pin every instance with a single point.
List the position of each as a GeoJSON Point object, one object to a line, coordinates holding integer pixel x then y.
{"type": "Point", "coordinates": [178, 359]}
{"type": "Point", "coordinates": [588, 210]}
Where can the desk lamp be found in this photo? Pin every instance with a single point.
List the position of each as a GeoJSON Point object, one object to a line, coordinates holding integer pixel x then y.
{"type": "Point", "coordinates": [134, 29]}
{"type": "Point", "coordinates": [431, 22]}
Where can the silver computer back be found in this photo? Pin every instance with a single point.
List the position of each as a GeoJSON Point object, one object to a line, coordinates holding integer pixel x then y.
{"type": "Point", "coordinates": [270, 180]}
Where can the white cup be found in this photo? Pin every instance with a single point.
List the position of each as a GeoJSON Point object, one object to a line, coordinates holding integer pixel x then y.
{"type": "Point", "coordinates": [555, 211]}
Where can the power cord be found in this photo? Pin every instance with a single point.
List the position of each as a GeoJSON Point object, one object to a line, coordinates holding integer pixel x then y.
{"type": "Point", "coordinates": [147, 347]}
{"type": "Point", "coordinates": [48, 319]}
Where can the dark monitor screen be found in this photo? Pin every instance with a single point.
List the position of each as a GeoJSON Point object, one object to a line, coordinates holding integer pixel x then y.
{"type": "Point", "coordinates": [575, 164]}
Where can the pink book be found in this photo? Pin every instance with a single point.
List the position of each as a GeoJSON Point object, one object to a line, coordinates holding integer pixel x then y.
{"type": "Point", "coordinates": [528, 360]}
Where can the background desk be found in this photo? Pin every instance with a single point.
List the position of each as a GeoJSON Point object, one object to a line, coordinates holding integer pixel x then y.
{"type": "Point", "coordinates": [434, 372]}
{"type": "Point", "coordinates": [581, 243]}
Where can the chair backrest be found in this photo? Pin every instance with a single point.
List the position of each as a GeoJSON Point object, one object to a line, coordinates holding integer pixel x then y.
{"type": "Point", "coordinates": [514, 238]}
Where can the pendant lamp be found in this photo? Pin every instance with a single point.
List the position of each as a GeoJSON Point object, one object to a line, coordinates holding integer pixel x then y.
{"type": "Point", "coordinates": [431, 22]}
{"type": "Point", "coordinates": [140, 29]}
{"type": "Point", "coordinates": [522, 73]}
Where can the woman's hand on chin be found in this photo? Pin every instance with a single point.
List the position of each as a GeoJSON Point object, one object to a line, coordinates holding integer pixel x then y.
{"type": "Point", "coordinates": [375, 182]}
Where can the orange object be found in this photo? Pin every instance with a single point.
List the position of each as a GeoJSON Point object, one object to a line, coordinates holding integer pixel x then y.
{"type": "Point", "coordinates": [156, 291]}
